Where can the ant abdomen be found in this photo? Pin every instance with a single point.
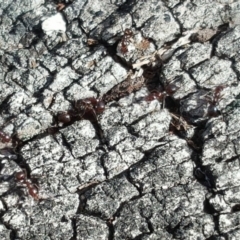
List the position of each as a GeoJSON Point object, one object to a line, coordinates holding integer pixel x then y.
{"type": "Point", "coordinates": [100, 107]}
{"type": "Point", "coordinates": [171, 88]}
{"type": "Point", "coordinates": [4, 137]}
{"type": "Point", "coordinates": [32, 189]}
{"type": "Point", "coordinates": [64, 117]}
{"type": "Point", "coordinates": [213, 111]}
{"type": "Point", "coordinates": [21, 177]}
{"type": "Point", "coordinates": [151, 96]}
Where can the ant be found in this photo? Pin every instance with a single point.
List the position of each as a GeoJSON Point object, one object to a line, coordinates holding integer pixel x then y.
{"type": "Point", "coordinates": [161, 94]}
{"type": "Point", "coordinates": [4, 138]}
{"type": "Point", "coordinates": [21, 177]}
{"type": "Point", "coordinates": [128, 34]}
{"type": "Point", "coordinates": [213, 110]}
{"type": "Point", "coordinates": [90, 105]}
{"type": "Point", "coordinates": [87, 108]}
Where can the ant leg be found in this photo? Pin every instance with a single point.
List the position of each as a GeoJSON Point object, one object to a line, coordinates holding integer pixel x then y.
{"type": "Point", "coordinates": [163, 102]}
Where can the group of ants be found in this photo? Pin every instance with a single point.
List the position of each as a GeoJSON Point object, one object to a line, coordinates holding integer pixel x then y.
{"type": "Point", "coordinates": [89, 108]}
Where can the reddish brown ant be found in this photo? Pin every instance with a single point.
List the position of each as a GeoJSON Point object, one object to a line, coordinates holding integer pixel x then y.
{"type": "Point", "coordinates": [161, 94]}
{"type": "Point", "coordinates": [213, 110]}
{"type": "Point", "coordinates": [21, 177]}
{"type": "Point", "coordinates": [64, 117]}
{"type": "Point", "coordinates": [87, 108]}
{"type": "Point", "coordinates": [128, 34]}
{"type": "Point", "coordinates": [90, 105]}
{"type": "Point", "coordinates": [4, 138]}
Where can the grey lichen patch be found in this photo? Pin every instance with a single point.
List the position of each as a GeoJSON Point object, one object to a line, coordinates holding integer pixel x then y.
{"type": "Point", "coordinates": [126, 154]}
{"type": "Point", "coordinates": [149, 131]}
{"type": "Point", "coordinates": [229, 222]}
{"type": "Point", "coordinates": [63, 79]}
{"type": "Point", "coordinates": [81, 137]}
{"type": "Point", "coordinates": [159, 24]}
{"type": "Point", "coordinates": [129, 110]}
{"type": "Point", "coordinates": [144, 168]}
{"type": "Point", "coordinates": [91, 171]}
{"type": "Point", "coordinates": [74, 9]}
{"type": "Point", "coordinates": [61, 173]}
{"type": "Point", "coordinates": [49, 213]}
{"type": "Point", "coordinates": [15, 218]}
{"type": "Point", "coordinates": [112, 75]}
{"type": "Point", "coordinates": [107, 197]}
{"type": "Point", "coordinates": [76, 92]}
{"type": "Point", "coordinates": [112, 28]}
{"type": "Point", "coordinates": [73, 48]}
{"type": "Point", "coordinates": [164, 167]}
{"type": "Point", "coordinates": [107, 73]}
{"type": "Point", "coordinates": [214, 72]}
{"type": "Point", "coordinates": [202, 227]}
{"type": "Point", "coordinates": [94, 13]}
{"type": "Point", "coordinates": [183, 201]}
{"type": "Point", "coordinates": [135, 216]}
{"type": "Point", "coordinates": [195, 54]}
{"type": "Point", "coordinates": [28, 79]}
{"type": "Point", "coordinates": [18, 101]}
{"type": "Point", "coordinates": [231, 196]}
{"type": "Point", "coordinates": [200, 14]}
{"type": "Point", "coordinates": [91, 61]}
{"type": "Point", "coordinates": [57, 102]}
{"type": "Point", "coordinates": [45, 157]}
{"type": "Point", "coordinates": [226, 49]}
{"type": "Point", "coordinates": [10, 11]}
{"type": "Point", "coordinates": [91, 228]}
{"type": "Point", "coordinates": [53, 63]}
{"type": "Point", "coordinates": [182, 205]}
{"type": "Point", "coordinates": [4, 232]}
{"type": "Point", "coordinates": [154, 126]}
{"type": "Point", "coordinates": [36, 122]}
{"type": "Point", "coordinates": [220, 152]}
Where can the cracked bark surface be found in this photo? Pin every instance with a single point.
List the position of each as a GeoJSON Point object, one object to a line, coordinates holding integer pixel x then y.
{"type": "Point", "coordinates": [141, 169]}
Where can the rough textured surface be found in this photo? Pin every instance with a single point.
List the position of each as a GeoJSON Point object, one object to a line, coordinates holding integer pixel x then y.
{"type": "Point", "coordinates": [155, 163]}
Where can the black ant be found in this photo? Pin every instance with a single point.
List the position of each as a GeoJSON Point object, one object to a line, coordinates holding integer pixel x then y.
{"type": "Point", "coordinates": [87, 108]}
{"type": "Point", "coordinates": [161, 94]}
{"type": "Point", "coordinates": [21, 177]}
{"type": "Point", "coordinates": [128, 34]}
{"type": "Point", "coordinates": [213, 110]}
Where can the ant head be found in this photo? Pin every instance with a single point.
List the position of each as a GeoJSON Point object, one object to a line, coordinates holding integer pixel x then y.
{"type": "Point", "coordinates": [21, 177]}
{"type": "Point", "coordinates": [171, 88]}
{"type": "Point", "coordinates": [100, 106]}
{"type": "Point", "coordinates": [128, 32]}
